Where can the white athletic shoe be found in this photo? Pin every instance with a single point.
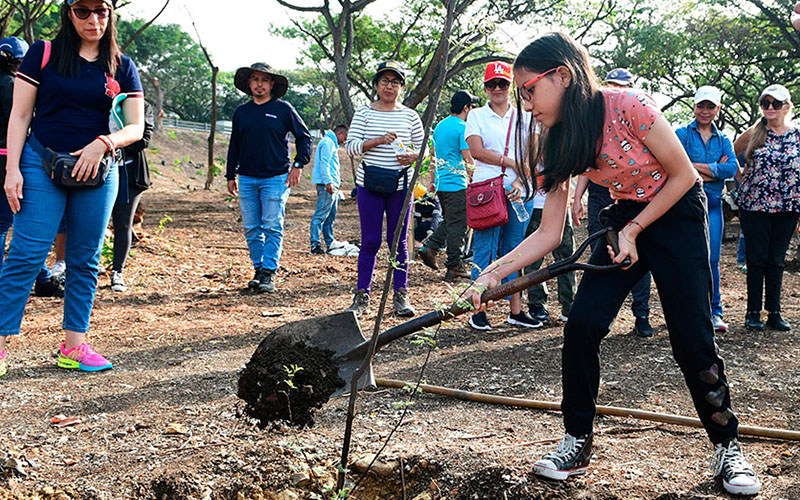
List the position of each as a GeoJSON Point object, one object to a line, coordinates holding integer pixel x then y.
{"type": "Point", "coordinates": [117, 282]}
{"type": "Point", "coordinates": [738, 476]}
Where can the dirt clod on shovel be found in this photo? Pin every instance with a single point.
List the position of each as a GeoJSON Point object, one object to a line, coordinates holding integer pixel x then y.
{"type": "Point", "coordinates": [265, 384]}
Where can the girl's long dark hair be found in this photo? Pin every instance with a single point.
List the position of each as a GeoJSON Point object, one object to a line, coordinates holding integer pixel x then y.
{"type": "Point", "coordinates": [67, 44]}
{"type": "Point", "coordinates": [570, 146]}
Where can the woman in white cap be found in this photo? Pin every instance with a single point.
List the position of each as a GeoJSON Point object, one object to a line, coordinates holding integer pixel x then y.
{"type": "Point", "coordinates": [712, 156]}
{"type": "Point", "coordinates": [769, 203]}
{"type": "Point", "coordinates": [63, 94]}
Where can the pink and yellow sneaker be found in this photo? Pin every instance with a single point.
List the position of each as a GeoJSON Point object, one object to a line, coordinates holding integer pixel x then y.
{"type": "Point", "coordinates": [82, 357]}
{"type": "Point", "coordinates": [3, 367]}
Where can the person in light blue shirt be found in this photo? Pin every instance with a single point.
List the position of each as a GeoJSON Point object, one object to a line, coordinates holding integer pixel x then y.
{"type": "Point", "coordinates": [712, 155]}
{"type": "Point", "coordinates": [450, 179]}
{"type": "Point", "coordinates": [327, 179]}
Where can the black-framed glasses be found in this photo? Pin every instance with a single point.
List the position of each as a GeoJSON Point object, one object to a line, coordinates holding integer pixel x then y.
{"type": "Point", "coordinates": [497, 84]}
{"type": "Point", "coordinates": [393, 82]}
{"type": "Point", "coordinates": [84, 13]}
{"type": "Point", "coordinates": [766, 103]}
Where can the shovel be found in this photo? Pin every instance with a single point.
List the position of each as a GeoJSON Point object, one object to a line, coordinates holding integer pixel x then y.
{"type": "Point", "coordinates": [341, 333]}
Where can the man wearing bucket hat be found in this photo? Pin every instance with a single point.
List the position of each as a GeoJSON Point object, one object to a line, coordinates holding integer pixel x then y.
{"type": "Point", "coordinates": [712, 156]}
{"type": "Point", "coordinates": [259, 154]}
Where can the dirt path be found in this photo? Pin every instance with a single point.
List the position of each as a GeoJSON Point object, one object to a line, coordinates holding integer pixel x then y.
{"type": "Point", "coordinates": [165, 423]}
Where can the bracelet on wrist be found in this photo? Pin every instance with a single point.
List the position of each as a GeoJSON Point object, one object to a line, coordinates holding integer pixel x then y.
{"type": "Point", "coordinates": [108, 142]}
{"type": "Point", "coordinates": [634, 221]}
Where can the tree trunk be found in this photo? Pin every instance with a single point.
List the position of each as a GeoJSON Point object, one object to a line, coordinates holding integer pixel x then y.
{"type": "Point", "coordinates": [158, 106]}
{"type": "Point", "coordinates": [213, 134]}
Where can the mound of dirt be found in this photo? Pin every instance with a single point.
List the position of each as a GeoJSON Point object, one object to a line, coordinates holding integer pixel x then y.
{"type": "Point", "coordinates": [503, 482]}
{"type": "Point", "coordinates": [175, 486]}
{"type": "Point", "coordinates": [288, 382]}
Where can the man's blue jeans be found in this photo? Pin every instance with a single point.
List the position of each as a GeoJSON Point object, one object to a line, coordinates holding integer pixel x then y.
{"type": "Point", "coordinates": [263, 202]}
{"type": "Point", "coordinates": [35, 225]}
{"type": "Point", "coordinates": [324, 216]}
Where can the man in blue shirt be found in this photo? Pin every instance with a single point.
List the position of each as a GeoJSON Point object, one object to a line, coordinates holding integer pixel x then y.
{"type": "Point", "coordinates": [450, 179]}
{"type": "Point", "coordinates": [327, 179]}
{"type": "Point", "coordinates": [713, 157]}
{"type": "Point", "coordinates": [259, 153]}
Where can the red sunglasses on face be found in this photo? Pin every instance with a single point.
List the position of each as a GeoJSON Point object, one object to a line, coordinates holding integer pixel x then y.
{"type": "Point", "coordinates": [528, 86]}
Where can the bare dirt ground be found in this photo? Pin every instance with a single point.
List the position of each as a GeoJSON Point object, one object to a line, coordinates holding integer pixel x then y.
{"type": "Point", "coordinates": [166, 423]}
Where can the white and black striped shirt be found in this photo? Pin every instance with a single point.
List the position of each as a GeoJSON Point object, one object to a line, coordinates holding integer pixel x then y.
{"type": "Point", "coordinates": [369, 123]}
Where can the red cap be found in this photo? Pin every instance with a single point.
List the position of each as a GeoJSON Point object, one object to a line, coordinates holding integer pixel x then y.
{"type": "Point", "coordinates": [497, 69]}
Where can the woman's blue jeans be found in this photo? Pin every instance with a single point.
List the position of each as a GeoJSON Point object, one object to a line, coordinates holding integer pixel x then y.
{"type": "Point", "coordinates": [6, 221]}
{"type": "Point", "coordinates": [716, 226]}
{"type": "Point", "coordinates": [36, 224]}
{"type": "Point", "coordinates": [489, 245]}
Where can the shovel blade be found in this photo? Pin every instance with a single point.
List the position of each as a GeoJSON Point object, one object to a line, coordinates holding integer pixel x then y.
{"type": "Point", "coordinates": [339, 333]}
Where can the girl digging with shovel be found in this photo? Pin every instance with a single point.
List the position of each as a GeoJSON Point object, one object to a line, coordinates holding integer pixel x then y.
{"type": "Point", "coordinates": [618, 138]}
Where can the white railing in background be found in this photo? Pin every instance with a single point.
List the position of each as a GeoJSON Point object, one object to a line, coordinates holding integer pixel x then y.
{"type": "Point", "coordinates": [226, 129]}
{"type": "Point", "coordinates": [197, 126]}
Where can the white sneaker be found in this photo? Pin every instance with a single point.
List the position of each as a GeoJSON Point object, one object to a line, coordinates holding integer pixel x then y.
{"type": "Point", "coordinates": [563, 318]}
{"type": "Point", "coordinates": [719, 325]}
{"type": "Point", "coordinates": [59, 268]}
{"type": "Point", "coordinates": [738, 476]}
{"type": "Point", "coordinates": [117, 282]}
{"type": "Point", "coordinates": [571, 458]}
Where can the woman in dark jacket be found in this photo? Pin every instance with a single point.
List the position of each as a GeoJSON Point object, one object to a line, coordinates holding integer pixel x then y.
{"type": "Point", "coordinates": [128, 197]}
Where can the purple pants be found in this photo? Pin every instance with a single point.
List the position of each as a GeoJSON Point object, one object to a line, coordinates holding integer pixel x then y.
{"type": "Point", "coordinates": [371, 208]}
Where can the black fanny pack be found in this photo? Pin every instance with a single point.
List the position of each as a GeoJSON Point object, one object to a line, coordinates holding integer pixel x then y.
{"type": "Point", "coordinates": [59, 167]}
{"type": "Point", "coordinates": [383, 181]}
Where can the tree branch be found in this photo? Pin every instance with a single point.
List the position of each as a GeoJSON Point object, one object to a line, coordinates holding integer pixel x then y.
{"type": "Point", "coordinates": [144, 27]}
{"type": "Point", "coordinates": [299, 8]}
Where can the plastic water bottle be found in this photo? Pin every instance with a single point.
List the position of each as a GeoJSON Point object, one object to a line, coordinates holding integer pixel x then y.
{"type": "Point", "coordinates": [519, 208]}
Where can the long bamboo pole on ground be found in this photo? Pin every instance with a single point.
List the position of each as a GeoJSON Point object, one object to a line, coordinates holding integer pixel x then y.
{"type": "Point", "coordinates": [745, 430]}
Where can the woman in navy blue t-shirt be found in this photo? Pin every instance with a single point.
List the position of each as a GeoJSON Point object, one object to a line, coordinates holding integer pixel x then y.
{"type": "Point", "coordinates": [64, 93]}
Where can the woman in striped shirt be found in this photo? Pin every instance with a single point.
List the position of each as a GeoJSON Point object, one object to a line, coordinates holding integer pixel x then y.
{"type": "Point", "coordinates": [383, 133]}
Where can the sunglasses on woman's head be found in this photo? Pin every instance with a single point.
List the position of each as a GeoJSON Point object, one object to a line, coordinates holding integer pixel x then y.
{"type": "Point", "coordinates": [493, 84]}
{"type": "Point", "coordinates": [765, 104]}
{"type": "Point", "coordinates": [84, 13]}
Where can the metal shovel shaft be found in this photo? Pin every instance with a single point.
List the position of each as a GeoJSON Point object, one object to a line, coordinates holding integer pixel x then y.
{"type": "Point", "coordinates": [435, 317]}
{"type": "Point", "coordinates": [497, 293]}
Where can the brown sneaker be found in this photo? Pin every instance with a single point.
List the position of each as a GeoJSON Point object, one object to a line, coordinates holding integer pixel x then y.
{"type": "Point", "coordinates": [360, 303]}
{"type": "Point", "coordinates": [428, 257]}
{"type": "Point", "coordinates": [457, 272]}
{"type": "Point", "coordinates": [402, 306]}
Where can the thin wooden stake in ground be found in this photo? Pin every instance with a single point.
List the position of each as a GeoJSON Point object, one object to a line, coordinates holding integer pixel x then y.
{"type": "Point", "coordinates": [430, 112]}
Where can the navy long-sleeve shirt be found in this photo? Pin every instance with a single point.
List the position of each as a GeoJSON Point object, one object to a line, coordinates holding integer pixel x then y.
{"type": "Point", "coordinates": [259, 144]}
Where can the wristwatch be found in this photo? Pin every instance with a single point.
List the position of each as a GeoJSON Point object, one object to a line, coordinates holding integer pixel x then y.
{"type": "Point", "coordinates": [297, 164]}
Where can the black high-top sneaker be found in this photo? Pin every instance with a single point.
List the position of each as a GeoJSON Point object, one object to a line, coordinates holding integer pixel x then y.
{"type": "Point", "coordinates": [738, 476]}
{"type": "Point", "coordinates": [571, 458]}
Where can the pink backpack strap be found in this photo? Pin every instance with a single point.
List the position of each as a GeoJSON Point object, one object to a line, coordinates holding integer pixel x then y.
{"type": "Point", "coordinates": [46, 54]}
